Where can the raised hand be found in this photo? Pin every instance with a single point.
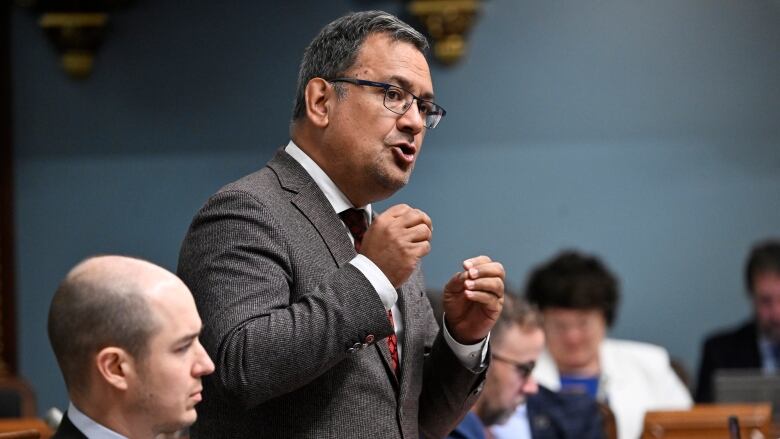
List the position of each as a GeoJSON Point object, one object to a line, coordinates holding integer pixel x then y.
{"type": "Point", "coordinates": [473, 299]}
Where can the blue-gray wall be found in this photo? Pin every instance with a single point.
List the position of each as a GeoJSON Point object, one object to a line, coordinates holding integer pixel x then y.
{"type": "Point", "coordinates": [647, 132]}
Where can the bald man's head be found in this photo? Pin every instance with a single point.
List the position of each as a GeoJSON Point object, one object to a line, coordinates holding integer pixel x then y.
{"type": "Point", "coordinates": [103, 302]}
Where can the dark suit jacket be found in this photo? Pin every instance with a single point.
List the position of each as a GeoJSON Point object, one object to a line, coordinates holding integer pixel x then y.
{"type": "Point", "coordinates": [733, 349]}
{"type": "Point", "coordinates": [67, 430]}
{"type": "Point", "coordinates": [297, 333]}
{"type": "Point", "coordinates": [554, 415]}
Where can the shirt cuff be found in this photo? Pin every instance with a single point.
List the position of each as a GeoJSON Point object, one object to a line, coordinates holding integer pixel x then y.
{"type": "Point", "coordinates": [378, 280]}
{"type": "Point", "coordinates": [471, 356]}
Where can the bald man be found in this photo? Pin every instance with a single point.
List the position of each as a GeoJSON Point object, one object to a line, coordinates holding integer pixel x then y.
{"type": "Point", "coordinates": [125, 334]}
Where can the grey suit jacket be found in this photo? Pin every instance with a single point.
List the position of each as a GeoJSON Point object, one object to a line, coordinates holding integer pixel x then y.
{"type": "Point", "coordinates": [297, 333]}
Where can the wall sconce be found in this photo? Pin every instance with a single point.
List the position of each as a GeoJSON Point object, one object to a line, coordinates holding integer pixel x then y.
{"type": "Point", "coordinates": [447, 22]}
{"type": "Point", "coordinates": [76, 28]}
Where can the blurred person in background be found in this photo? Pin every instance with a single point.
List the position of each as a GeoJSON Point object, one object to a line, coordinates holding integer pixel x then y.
{"type": "Point", "coordinates": [755, 344]}
{"type": "Point", "coordinates": [578, 297]}
{"type": "Point", "coordinates": [513, 405]}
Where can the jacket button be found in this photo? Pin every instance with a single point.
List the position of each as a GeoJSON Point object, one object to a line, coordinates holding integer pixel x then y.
{"type": "Point", "coordinates": [369, 339]}
{"type": "Point", "coordinates": [357, 346]}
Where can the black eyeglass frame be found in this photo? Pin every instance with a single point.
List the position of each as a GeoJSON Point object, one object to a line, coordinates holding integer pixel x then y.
{"type": "Point", "coordinates": [383, 85]}
{"type": "Point", "coordinates": [524, 369]}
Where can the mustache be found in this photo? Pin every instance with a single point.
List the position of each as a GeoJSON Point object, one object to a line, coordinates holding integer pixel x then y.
{"type": "Point", "coordinates": [400, 139]}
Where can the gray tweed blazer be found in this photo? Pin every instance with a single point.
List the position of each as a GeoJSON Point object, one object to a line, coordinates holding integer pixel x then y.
{"type": "Point", "coordinates": [297, 333]}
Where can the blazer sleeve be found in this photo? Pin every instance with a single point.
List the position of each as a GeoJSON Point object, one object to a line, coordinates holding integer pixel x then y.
{"type": "Point", "coordinates": [449, 388]}
{"type": "Point", "coordinates": [237, 261]}
{"type": "Point", "coordinates": [670, 392]}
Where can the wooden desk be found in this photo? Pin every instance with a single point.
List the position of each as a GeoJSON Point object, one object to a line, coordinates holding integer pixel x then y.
{"type": "Point", "coordinates": [708, 421]}
{"type": "Point", "coordinates": [19, 424]}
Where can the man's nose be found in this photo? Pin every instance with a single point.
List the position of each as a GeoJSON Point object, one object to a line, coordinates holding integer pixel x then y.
{"type": "Point", "coordinates": [530, 386]}
{"type": "Point", "coordinates": [412, 120]}
{"type": "Point", "coordinates": [203, 365]}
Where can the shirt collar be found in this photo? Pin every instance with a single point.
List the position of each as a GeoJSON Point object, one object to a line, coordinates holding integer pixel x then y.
{"type": "Point", "coordinates": [767, 349]}
{"type": "Point", "coordinates": [335, 197]}
{"type": "Point", "coordinates": [90, 428]}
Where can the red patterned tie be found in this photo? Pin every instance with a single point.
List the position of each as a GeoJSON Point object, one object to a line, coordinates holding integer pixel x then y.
{"type": "Point", "coordinates": [355, 220]}
{"type": "Point", "coordinates": [392, 342]}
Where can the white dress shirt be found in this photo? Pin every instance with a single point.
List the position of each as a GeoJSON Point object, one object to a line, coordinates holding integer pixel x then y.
{"type": "Point", "coordinates": [90, 428]}
{"type": "Point", "coordinates": [471, 356]}
{"type": "Point", "coordinates": [766, 348]}
{"type": "Point", "coordinates": [517, 427]}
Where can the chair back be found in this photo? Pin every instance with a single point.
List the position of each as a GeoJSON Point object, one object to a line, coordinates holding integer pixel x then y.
{"type": "Point", "coordinates": [25, 428]}
{"type": "Point", "coordinates": [17, 399]}
{"type": "Point", "coordinates": [609, 424]}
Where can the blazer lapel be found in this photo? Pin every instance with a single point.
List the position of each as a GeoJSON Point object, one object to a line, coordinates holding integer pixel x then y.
{"type": "Point", "coordinates": [538, 422]}
{"type": "Point", "coordinates": [313, 204]}
{"type": "Point", "coordinates": [406, 302]}
{"type": "Point", "coordinates": [384, 353]}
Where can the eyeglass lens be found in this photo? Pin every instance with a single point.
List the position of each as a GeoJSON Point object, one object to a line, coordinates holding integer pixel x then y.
{"type": "Point", "coordinates": [399, 100]}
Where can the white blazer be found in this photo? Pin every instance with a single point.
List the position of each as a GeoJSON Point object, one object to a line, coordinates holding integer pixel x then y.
{"type": "Point", "coordinates": [635, 377]}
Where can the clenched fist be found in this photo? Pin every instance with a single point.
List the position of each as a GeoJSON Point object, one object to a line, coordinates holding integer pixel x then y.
{"type": "Point", "coordinates": [396, 241]}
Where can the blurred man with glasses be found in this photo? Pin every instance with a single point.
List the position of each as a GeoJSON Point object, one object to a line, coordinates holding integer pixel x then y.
{"type": "Point", "coordinates": [314, 305]}
{"type": "Point", "coordinates": [754, 344]}
{"type": "Point", "coordinates": [513, 405]}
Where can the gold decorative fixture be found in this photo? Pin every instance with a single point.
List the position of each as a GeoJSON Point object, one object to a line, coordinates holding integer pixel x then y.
{"type": "Point", "coordinates": [76, 28]}
{"type": "Point", "coordinates": [447, 22]}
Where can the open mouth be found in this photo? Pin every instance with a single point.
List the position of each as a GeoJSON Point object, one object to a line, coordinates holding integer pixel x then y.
{"type": "Point", "coordinates": [405, 152]}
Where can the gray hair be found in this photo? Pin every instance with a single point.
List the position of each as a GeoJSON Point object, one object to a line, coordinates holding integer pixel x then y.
{"type": "Point", "coordinates": [516, 311]}
{"type": "Point", "coordinates": [334, 50]}
{"type": "Point", "coordinates": [92, 311]}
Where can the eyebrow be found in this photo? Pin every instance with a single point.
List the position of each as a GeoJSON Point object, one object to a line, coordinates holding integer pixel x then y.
{"type": "Point", "coordinates": [404, 83]}
{"type": "Point", "coordinates": [187, 338]}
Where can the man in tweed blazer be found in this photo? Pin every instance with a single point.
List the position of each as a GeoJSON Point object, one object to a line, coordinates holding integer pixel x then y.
{"type": "Point", "coordinates": [296, 305]}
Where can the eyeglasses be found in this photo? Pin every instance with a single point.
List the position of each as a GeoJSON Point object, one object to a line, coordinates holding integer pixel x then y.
{"type": "Point", "coordinates": [584, 324]}
{"type": "Point", "coordinates": [399, 100]}
{"type": "Point", "coordinates": [523, 369]}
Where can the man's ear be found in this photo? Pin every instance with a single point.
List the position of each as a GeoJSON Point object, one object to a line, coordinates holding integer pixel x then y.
{"type": "Point", "coordinates": [318, 94]}
{"type": "Point", "coordinates": [115, 365]}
